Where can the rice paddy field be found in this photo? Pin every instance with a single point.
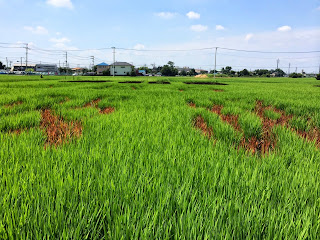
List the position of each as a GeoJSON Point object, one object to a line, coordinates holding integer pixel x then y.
{"type": "Point", "coordinates": [123, 158]}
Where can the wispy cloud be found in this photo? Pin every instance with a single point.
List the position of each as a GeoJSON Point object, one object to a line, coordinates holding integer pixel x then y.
{"type": "Point", "coordinates": [219, 27]}
{"type": "Point", "coordinates": [139, 46]}
{"type": "Point", "coordinates": [318, 8]}
{"type": "Point", "coordinates": [166, 15]}
{"type": "Point", "coordinates": [60, 40]}
{"type": "Point", "coordinates": [199, 28]}
{"type": "Point", "coordinates": [193, 15]}
{"type": "Point", "coordinates": [249, 36]}
{"type": "Point", "coordinates": [284, 29]}
{"type": "Point", "coordinates": [36, 30]}
{"type": "Point", "coordinates": [61, 3]}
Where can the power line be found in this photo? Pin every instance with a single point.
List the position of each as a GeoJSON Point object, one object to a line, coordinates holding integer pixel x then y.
{"type": "Point", "coordinates": [178, 50]}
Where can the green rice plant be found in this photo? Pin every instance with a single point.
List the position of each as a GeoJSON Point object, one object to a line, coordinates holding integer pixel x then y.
{"type": "Point", "coordinates": [300, 124]}
{"type": "Point", "coordinates": [251, 125]}
{"type": "Point", "coordinates": [272, 114]}
{"type": "Point", "coordinates": [20, 121]}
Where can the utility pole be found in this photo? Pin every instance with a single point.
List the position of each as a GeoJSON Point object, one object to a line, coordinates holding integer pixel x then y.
{"type": "Point", "coordinates": [278, 61]}
{"type": "Point", "coordinates": [289, 69]}
{"type": "Point", "coordinates": [66, 61]}
{"type": "Point", "coordinates": [215, 63]}
{"type": "Point", "coordinates": [296, 69]}
{"type": "Point", "coordinates": [7, 63]}
{"type": "Point", "coordinates": [21, 64]}
{"type": "Point", "coordinates": [27, 48]}
{"type": "Point", "coordinates": [114, 59]}
{"type": "Point", "coordinates": [92, 58]}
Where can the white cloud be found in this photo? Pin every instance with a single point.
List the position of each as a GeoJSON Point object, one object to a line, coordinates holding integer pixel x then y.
{"type": "Point", "coordinates": [284, 29]}
{"type": "Point", "coordinates": [219, 27]}
{"type": "Point", "coordinates": [318, 8]}
{"type": "Point", "coordinates": [193, 15]}
{"type": "Point", "coordinates": [61, 3]}
{"type": "Point", "coordinates": [199, 28]}
{"type": "Point", "coordinates": [60, 40]}
{"type": "Point", "coordinates": [166, 15]}
{"type": "Point", "coordinates": [58, 33]}
{"type": "Point", "coordinates": [139, 46]}
{"type": "Point", "coordinates": [37, 30]}
{"type": "Point", "coordinates": [249, 36]}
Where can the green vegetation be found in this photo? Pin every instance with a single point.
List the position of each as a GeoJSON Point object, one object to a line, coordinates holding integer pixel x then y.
{"type": "Point", "coordinates": [144, 171]}
{"type": "Point", "coordinates": [272, 114]}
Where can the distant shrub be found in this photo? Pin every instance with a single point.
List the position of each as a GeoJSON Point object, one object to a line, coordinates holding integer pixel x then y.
{"type": "Point", "coordinates": [106, 72]}
{"type": "Point", "coordinates": [318, 76]}
{"type": "Point", "coordinates": [296, 75]}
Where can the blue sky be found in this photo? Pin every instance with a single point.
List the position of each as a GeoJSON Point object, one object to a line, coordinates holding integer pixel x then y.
{"type": "Point", "coordinates": [287, 25]}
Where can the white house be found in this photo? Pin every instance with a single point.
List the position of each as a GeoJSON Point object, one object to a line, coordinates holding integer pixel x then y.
{"type": "Point", "coordinates": [120, 68]}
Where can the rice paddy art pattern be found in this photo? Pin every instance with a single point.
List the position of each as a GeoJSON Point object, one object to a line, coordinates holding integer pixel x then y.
{"type": "Point", "coordinates": [96, 159]}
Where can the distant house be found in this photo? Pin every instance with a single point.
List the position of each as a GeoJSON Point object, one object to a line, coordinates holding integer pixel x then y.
{"type": "Point", "coordinates": [21, 67]}
{"type": "Point", "coordinates": [186, 69]}
{"type": "Point", "coordinates": [120, 68]}
{"type": "Point", "coordinates": [46, 68]}
{"type": "Point", "coordinates": [201, 71]}
{"type": "Point", "coordinates": [101, 68]}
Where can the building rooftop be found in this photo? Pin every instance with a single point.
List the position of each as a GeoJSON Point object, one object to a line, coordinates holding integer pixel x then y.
{"type": "Point", "coordinates": [102, 64]}
{"type": "Point", "coordinates": [121, 64]}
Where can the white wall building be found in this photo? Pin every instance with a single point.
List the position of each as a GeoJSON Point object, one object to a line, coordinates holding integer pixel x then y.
{"type": "Point", "coordinates": [120, 68]}
{"type": "Point", "coordinates": [46, 68]}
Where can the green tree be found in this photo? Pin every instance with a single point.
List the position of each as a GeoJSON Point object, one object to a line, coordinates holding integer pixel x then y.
{"type": "Point", "coordinates": [2, 66]}
{"type": "Point", "coordinates": [145, 68]}
{"type": "Point", "coordinates": [133, 72]}
{"type": "Point", "coordinates": [106, 72]}
{"type": "Point", "coordinates": [244, 72]}
{"type": "Point", "coordinates": [295, 75]}
{"type": "Point", "coordinates": [279, 72]}
{"type": "Point", "coordinates": [169, 69]}
{"type": "Point", "coordinates": [318, 77]}
{"type": "Point", "coordinates": [192, 72]}
{"type": "Point", "coordinates": [183, 73]}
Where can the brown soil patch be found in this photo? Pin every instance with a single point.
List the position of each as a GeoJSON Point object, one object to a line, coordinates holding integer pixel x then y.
{"type": "Point", "coordinates": [87, 81]}
{"type": "Point", "coordinates": [11, 105]}
{"type": "Point", "coordinates": [217, 90]}
{"type": "Point", "coordinates": [253, 144]}
{"type": "Point", "coordinates": [93, 103]}
{"type": "Point", "coordinates": [132, 82]}
{"type": "Point", "coordinates": [57, 130]}
{"type": "Point", "coordinates": [201, 76]}
{"type": "Point", "coordinates": [65, 100]}
{"type": "Point", "coordinates": [192, 105]}
{"type": "Point", "coordinates": [205, 83]}
{"type": "Point", "coordinates": [18, 131]}
{"type": "Point", "coordinates": [199, 123]}
{"type": "Point", "coordinates": [133, 88]}
{"type": "Point", "coordinates": [159, 82]}
{"type": "Point", "coordinates": [181, 90]}
{"type": "Point", "coordinates": [107, 110]}
{"type": "Point", "coordinates": [231, 120]}
{"type": "Point", "coordinates": [312, 135]}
